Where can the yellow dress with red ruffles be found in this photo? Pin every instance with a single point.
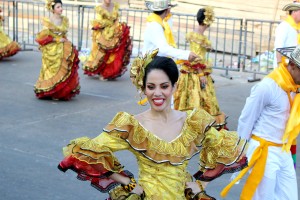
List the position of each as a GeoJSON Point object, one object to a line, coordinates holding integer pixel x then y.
{"type": "Point", "coordinates": [111, 45]}
{"type": "Point", "coordinates": [162, 165]}
{"type": "Point", "coordinates": [58, 77]}
{"type": "Point", "coordinates": [7, 46]}
{"type": "Point", "coordinates": [189, 94]}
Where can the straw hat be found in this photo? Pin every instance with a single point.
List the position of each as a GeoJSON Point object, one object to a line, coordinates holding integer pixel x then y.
{"type": "Point", "coordinates": [159, 5]}
{"type": "Point", "coordinates": [292, 6]}
{"type": "Point", "coordinates": [292, 53]}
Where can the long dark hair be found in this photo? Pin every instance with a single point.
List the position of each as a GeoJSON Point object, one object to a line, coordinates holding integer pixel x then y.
{"type": "Point", "coordinates": [165, 64]}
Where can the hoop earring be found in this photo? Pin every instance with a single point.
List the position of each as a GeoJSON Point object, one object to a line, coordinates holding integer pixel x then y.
{"type": "Point", "coordinates": [142, 101]}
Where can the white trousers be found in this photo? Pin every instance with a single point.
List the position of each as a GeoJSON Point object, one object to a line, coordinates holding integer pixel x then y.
{"type": "Point", "coordinates": [279, 181]}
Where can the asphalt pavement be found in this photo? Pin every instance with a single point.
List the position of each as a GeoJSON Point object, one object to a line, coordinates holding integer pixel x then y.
{"type": "Point", "coordinates": [33, 132]}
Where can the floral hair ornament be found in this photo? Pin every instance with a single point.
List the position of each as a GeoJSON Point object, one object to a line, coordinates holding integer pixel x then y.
{"type": "Point", "coordinates": [49, 5]}
{"type": "Point", "coordinates": [138, 66]}
{"type": "Point", "coordinates": [209, 15]}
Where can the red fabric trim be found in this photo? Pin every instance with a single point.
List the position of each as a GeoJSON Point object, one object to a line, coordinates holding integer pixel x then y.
{"type": "Point", "coordinates": [293, 149]}
{"type": "Point", "coordinates": [81, 167]}
{"type": "Point", "coordinates": [45, 40]}
{"type": "Point", "coordinates": [9, 52]}
{"type": "Point", "coordinates": [195, 66]}
{"type": "Point", "coordinates": [95, 173]}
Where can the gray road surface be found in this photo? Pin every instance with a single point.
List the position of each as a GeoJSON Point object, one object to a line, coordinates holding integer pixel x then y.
{"type": "Point", "coordinates": [33, 132]}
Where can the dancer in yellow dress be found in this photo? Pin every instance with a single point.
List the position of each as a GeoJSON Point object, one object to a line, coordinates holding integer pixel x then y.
{"type": "Point", "coordinates": [111, 48]}
{"type": "Point", "coordinates": [7, 46]}
{"type": "Point", "coordinates": [195, 85]}
{"type": "Point", "coordinates": [162, 139]}
{"type": "Point", "coordinates": [58, 78]}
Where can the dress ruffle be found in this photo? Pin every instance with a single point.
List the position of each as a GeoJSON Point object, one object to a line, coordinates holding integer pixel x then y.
{"type": "Point", "coordinates": [65, 83]}
{"type": "Point", "coordinates": [196, 132]}
{"type": "Point", "coordinates": [110, 57]}
{"type": "Point", "coordinates": [58, 77]}
{"type": "Point", "coordinates": [159, 151]}
{"type": "Point", "coordinates": [217, 146]}
{"type": "Point", "coordinates": [9, 50]}
{"type": "Point", "coordinates": [7, 46]}
{"type": "Point", "coordinates": [89, 152]}
{"type": "Point", "coordinates": [93, 159]}
{"type": "Point", "coordinates": [112, 45]}
{"type": "Point", "coordinates": [221, 147]}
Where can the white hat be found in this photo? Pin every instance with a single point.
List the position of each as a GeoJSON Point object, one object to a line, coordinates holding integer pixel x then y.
{"type": "Point", "coordinates": [292, 6]}
{"type": "Point", "coordinates": [159, 5]}
{"type": "Point", "coordinates": [292, 53]}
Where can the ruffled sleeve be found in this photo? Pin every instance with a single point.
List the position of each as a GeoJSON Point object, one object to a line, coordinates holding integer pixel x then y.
{"type": "Point", "coordinates": [217, 147]}
{"type": "Point", "coordinates": [44, 36]}
{"type": "Point", "coordinates": [221, 151]}
{"type": "Point", "coordinates": [50, 32]}
{"type": "Point", "coordinates": [94, 160]}
{"type": "Point", "coordinates": [221, 147]}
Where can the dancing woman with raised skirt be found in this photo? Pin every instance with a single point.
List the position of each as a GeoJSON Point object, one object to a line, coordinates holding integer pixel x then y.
{"type": "Point", "coordinates": [111, 48]}
{"type": "Point", "coordinates": [58, 77]}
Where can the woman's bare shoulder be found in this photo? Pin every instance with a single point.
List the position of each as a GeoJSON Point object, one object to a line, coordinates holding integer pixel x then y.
{"type": "Point", "coordinates": [180, 115]}
{"type": "Point", "coordinates": [141, 116]}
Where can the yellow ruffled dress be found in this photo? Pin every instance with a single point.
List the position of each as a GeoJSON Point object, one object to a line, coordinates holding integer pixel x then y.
{"type": "Point", "coordinates": [162, 165]}
{"type": "Point", "coordinates": [189, 94]}
{"type": "Point", "coordinates": [7, 46]}
{"type": "Point", "coordinates": [58, 77]}
{"type": "Point", "coordinates": [111, 45]}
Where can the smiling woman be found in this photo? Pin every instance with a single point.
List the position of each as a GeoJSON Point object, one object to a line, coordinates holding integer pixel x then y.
{"type": "Point", "coordinates": [163, 141]}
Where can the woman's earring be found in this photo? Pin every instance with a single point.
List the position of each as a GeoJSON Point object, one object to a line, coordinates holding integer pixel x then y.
{"type": "Point", "coordinates": [143, 101]}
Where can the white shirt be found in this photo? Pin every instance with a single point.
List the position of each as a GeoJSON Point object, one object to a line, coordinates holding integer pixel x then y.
{"type": "Point", "coordinates": [265, 113]}
{"type": "Point", "coordinates": [154, 38]}
{"type": "Point", "coordinates": [285, 36]}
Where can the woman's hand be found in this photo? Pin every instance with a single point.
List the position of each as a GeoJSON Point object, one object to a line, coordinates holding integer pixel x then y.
{"type": "Point", "coordinates": [125, 181]}
{"type": "Point", "coordinates": [63, 39]}
{"type": "Point", "coordinates": [138, 190]}
{"type": "Point", "coordinates": [203, 80]}
{"type": "Point", "coordinates": [194, 186]}
{"type": "Point", "coordinates": [193, 57]}
{"type": "Point", "coordinates": [58, 40]}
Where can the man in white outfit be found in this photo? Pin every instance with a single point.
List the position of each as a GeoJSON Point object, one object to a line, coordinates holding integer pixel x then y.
{"type": "Point", "coordinates": [155, 36]}
{"type": "Point", "coordinates": [270, 121]}
{"type": "Point", "coordinates": [286, 34]}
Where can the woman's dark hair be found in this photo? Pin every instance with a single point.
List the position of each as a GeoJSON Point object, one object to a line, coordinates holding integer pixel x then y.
{"type": "Point", "coordinates": [201, 16]}
{"type": "Point", "coordinates": [165, 64]}
{"type": "Point", "coordinates": [55, 2]}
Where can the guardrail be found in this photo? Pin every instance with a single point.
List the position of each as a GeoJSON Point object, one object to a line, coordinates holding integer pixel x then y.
{"type": "Point", "coordinates": [239, 45]}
